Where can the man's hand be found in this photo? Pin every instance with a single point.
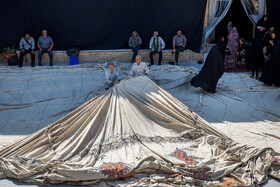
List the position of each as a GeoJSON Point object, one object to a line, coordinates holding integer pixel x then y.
{"type": "Point", "coordinates": [174, 50]}
{"type": "Point", "coordinates": [22, 50]}
{"type": "Point", "coordinates": [40, 49]}
{"type": "Point", "coordinates": [32, 51]}
{"type": "Point", "coordinates": [49, 49]}
{"type": "Point", "coordinates": [159, 50]}
{"type": "Point", "coordinates": [134, 46]}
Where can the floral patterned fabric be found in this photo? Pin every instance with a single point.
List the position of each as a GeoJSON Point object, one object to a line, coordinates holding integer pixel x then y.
{"type": "Point", "coordinates": [232, 44]}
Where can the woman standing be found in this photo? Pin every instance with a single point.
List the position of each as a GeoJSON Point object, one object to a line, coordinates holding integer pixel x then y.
{"type": "Point", "coordinates": [256, 57]}
{"type": "Point", "coordinates": [269, 45]}
{"type": "Point", "coordinates": [262, 25]}
{"type": "Point", "coordinates": [135, 43]}
{"type": "Point", "coordinates": [231, 59]}
{"type": "Point", "coordinates": [213, 68]}
{"type": "Point", "coordinates": [271, 70]}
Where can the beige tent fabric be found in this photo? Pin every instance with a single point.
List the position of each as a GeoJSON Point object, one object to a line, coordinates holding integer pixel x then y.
{"type": "Point", "coordinates": [141, 134]}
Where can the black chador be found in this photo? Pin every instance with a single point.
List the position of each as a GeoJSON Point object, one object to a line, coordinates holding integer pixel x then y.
{"type": "Point", "coordinates": [213, 68]}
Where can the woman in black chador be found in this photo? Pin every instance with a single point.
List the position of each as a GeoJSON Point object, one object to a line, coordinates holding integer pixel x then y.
{"type": "Point", "coordinates": [262, 25]}
{"type": "Point", "coordinates": [256, 58]}
{"type": "Point", "coordinates": [213, 68]}
{"type": "Point", "coordinates": [271, 70]}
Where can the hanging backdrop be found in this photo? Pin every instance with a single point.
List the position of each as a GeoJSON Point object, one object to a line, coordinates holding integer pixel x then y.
{"type": "Point", "coordinates": [107, 24]}
{"type": "Point", "coordinates": [217, 10]}
{"type": "Point", "coordinates": [255, 9]}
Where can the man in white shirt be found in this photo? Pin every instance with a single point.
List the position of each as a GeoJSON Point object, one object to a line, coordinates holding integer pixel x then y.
{"type": "Point", "coordinates": [156, 46]}
{"type": "Point", "coordinates": [139, 68]}
{"type": "Point", "coordinates": [112, 77]}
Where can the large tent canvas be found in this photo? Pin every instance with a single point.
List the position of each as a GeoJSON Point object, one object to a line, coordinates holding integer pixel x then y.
{"type": "Point", "coordinates": [136, 131]}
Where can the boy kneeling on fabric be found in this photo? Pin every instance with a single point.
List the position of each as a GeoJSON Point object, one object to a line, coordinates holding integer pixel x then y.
{"type": "Point", "coordinates": [112, 77]}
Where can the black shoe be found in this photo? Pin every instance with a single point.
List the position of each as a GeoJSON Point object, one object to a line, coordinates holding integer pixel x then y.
{"type": "Point", "coordinates": [151, 64]}
{"type": "Point", "coordinates": [32, 65]}
{"type": "Point", "coordinates": [51, 64]}
{"type": "Point", "coordinates": [40, 64]}
{"type": "Point", "coordinates": [171, 63]}
{"type": "Point", "coordinates": [132, 61]}
{"type": "Point", "coordinates": [20, 66]}
{"type": "Point", "coordinates": [159, 63]}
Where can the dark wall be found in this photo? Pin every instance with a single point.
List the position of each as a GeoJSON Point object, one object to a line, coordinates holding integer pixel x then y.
{"type": "Point", "coordinates": [273, 13]}
{"type": "Point", "coordinates": [101, 24]}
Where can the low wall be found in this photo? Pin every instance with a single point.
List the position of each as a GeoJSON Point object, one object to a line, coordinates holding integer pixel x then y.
{"type": "Point", "coordinates": [117, 55]}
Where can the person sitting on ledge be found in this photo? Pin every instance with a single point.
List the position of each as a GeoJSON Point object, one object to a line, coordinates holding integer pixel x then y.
{"type": "Point", "coordinates": [135, 43]}
{"type": "Point", "coordinates": [27, 45]}
{"type": "Point", "coordinates": [45, 44]}
{"type": "Point", "coordinates": [139, 68]}
{"type": "Point", "coordinates": [156, 46]}
{"type": "Point", "coordinates": [179, 44]}
{"type": "Point", "coordinates": [112, 77]}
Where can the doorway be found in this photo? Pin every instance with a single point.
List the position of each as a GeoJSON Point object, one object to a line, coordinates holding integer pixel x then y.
{"type": "Point", "coordinates": [239, 18]}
